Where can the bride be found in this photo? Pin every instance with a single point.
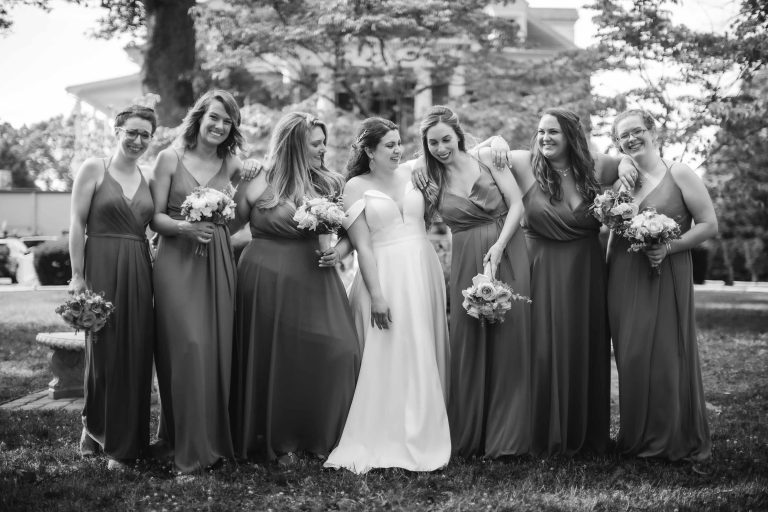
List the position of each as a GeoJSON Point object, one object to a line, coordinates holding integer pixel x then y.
{"type": "Point", "coordinates": [398, 416]}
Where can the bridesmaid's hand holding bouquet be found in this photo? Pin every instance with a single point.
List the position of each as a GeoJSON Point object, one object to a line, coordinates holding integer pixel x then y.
{"type": "Point", "coordinates": [206, 204]}
{"type": "Point", "coordinates": [489, 299]}
{"type": "Point", "coordinates": [650, 229]}
{"type": "Point", "coordinates": [323, 215]}
{"type": "Point", "coordinates": [87, 310]}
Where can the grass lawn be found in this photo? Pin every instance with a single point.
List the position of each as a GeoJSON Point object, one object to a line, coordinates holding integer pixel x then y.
{"type": "Point", "coordinates": [40, 468]}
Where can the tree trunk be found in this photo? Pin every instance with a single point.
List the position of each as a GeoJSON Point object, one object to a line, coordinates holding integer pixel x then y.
{"type": "Point", "coordinates": [169, 61]}
{"type": "Point", "coordinates": [752, 249]}
{"type": "Point", "coordinates": [727, 262]}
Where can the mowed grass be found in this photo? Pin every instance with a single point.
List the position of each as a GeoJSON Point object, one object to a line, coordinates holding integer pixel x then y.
{"type": "Point", "coordinates": [40, 468]}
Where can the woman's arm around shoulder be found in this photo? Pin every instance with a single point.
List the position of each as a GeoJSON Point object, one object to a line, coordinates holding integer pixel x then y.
{"type": "Point", "coordinates": [160, 186]}
{"type": "Point", "coordinates": [248, 192]}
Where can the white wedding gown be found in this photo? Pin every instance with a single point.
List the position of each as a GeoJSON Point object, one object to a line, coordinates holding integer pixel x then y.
{"type": "Point", "coordinates": [398, 416]}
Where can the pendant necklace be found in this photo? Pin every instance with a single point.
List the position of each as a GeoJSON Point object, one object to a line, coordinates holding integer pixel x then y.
{"type": "Point", "coordinates": [563, 172]}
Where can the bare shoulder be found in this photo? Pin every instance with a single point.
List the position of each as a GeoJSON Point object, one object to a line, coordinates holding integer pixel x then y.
{"type": "Point", "coordinates": [234, 165]}
{"type": "Point", "coordinates": [166, 161]}
{"type": "Point", "coordinates": [354, 189]}
{"type": "Point", "coordinates": [92, 169]}
{"type": "Point", "coordinates": [681, 171]}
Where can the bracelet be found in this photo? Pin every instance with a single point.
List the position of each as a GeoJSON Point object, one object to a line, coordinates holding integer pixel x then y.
{"type": "Point", "coordinates": [669, 247]}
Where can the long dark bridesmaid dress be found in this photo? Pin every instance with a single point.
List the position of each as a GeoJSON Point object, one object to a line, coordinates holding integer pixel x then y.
{"type": "Point", "coordinates": [118, 370]}
{"type": "Point", "coordinates": [296, 348]}
{"type": "Point", "coordinates": [194, 305]}
{"type": "Point", "coordinates": [489, 386]}
{"type": "Point", "coordinates": [571, 346]}
{"type": "Point", "coordinates": [661, 397]}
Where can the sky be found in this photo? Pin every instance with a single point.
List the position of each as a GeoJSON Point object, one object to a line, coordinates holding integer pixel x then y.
{"type": "Point", "coordinates": [46, 52]}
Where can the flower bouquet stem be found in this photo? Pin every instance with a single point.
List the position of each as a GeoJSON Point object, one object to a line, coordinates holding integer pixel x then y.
{"type": "Point", "coordinates": [325, 241]}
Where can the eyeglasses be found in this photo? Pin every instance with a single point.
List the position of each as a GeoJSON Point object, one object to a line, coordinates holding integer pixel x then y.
{"type": "Point", "coordinates": [133, 134]}
{"type": "Point", "coordinates": [636, 133]}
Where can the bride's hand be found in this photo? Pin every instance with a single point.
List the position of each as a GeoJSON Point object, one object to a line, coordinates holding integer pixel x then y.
{"type": "Point", "coordinates": [492, 258]}
{"type": "Point", "coordinates": [381, 316]}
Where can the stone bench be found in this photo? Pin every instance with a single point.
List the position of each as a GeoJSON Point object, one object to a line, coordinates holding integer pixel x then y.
{"type": "Point", "coordinates": [67, 362]}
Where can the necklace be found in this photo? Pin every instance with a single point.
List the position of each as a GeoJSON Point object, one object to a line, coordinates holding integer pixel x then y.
{"type": "Point", "coordinates": [563, 172]}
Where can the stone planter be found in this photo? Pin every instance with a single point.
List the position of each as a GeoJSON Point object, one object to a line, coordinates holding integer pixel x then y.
{"type": "Point", "coordinates": [67, 361]}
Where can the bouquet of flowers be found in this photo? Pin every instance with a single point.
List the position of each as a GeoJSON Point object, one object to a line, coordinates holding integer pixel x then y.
{"type": "Point", "coordinates": [323, 215]}
{"type": "Point", "coordinates": [87, 310]}
{"type": "Point", "coordinates": [649, 228]}
{"type": "Point", "coordinates": [211, 205]}
{"type": "Point", "coordinates": [614, 209]}
{"type": "Point", "coordinates": [489, 299]}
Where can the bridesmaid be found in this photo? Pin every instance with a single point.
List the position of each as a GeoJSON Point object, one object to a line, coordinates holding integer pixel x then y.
{"type": "Point", "coordinates": [111, 199]}
{"type": "Point", "coordinates": [652, 319]}
{"type": "Point", "coordinates": [296, 349]}
{"type": "Point", "coordinates": [195, 295]}
{"type": "Point", "coordinates": [570, 367]}
{"type": "Point", "coordinates": [489, 390]}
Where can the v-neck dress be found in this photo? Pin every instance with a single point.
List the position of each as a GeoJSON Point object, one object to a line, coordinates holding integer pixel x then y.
{"type": "Point", "coordinates": [296, 351]}
{"type": "Point", "coordinates": [398, 416]}
{"type": "Point", "coordinates": [194, 304]}
{"type": "Point", "coordinates": [652, 317]}
{"type": "Point", "coordinates": [118, 368]}
{"type": "Point", "coordinates": [489, 390]}
{"type": "Point", "coordinates": [571, 347]}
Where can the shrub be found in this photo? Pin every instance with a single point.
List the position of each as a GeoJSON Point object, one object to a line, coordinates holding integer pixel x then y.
{"type": "Point", "coordinates": [52, 262]}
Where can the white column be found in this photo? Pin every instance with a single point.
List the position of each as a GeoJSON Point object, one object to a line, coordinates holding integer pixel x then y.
{"type": "Point", "coordinates": [458, 85]}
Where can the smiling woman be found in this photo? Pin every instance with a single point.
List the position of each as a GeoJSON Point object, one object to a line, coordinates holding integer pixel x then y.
{"type": "Point", "coordinates": [195, 295]}
{"type": "Point", "coordinates": [111, 199]}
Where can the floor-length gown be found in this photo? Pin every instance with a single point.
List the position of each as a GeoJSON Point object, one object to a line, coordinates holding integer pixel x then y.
{"type": "Point", "coordinates": [398, 416]}
{"type": "Point", "coordinates": [118, 370]}
{"type": "Point", "coordinates": [296, 349]}
{"type": "Point", "coordinates": [194, 306]}
{"type": "Point", "coordinates": [571, 347]}
{"type": "Point", "coordinates": [489, 390]}
{"type": "Point", "coordinates": [652, 317]}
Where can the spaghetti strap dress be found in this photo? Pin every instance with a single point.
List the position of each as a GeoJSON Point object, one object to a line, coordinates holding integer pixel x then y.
{"type": "Point", "coordinates": [296, 348]}
{"type": "Point", "coordinates": [118, 368]}
{"type": "Point", "coordinates": [652, 317]}
{"type": "Point", "coordinates": [194, 306]}
{"type": "Point", "coordinates": [489, 389]}
{"type": "Point", "coordinates": [571, 346]}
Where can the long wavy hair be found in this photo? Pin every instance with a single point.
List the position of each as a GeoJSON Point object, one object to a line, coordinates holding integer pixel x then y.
{"type": "Point", "coordinates": [581, 163]}
{"type": "Point", "coordinates": [433, 192]}
{"type": "Point", "coordinates": [190, 126]}
{"type": "Point", "coordinates": [371, 131]}
{"type": "Point", "coordinates": [288, 171]}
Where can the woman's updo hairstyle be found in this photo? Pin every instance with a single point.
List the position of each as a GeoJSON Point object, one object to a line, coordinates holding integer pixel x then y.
{"type": "Point", "coordinates": [368, 136]}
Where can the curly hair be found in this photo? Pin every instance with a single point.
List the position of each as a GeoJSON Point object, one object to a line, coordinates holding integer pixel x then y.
{"type": "Point", "coordinates": [581, 162]}
{"type": "Point", "coordinates": [371, 131]}
{"type": "Point", "coordinates": [433, 192]}
{"type": "Point", "coordinates": [190, 126]}
{"type": "Point", "coordinates": [139, 111]}
{"type": "Point", "coordinates": [288, 171]}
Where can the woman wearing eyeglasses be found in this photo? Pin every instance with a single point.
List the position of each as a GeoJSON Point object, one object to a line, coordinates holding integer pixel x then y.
{"type": "Point", "coordinates": [652, 315]}
{"type": "Point", "coordinates": [194, 293]}
{"type": "Point", "coordinates": [111, 208]}
{"type": "Point", "coordinates": [296, 347]}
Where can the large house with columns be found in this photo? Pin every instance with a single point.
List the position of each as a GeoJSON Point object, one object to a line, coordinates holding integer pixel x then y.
{"type": "Point", "coordinates": [545, 31]}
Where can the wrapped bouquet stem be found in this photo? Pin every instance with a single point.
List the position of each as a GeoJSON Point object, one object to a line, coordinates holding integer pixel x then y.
{"type": "Point", "coordinates": [211, 205]}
